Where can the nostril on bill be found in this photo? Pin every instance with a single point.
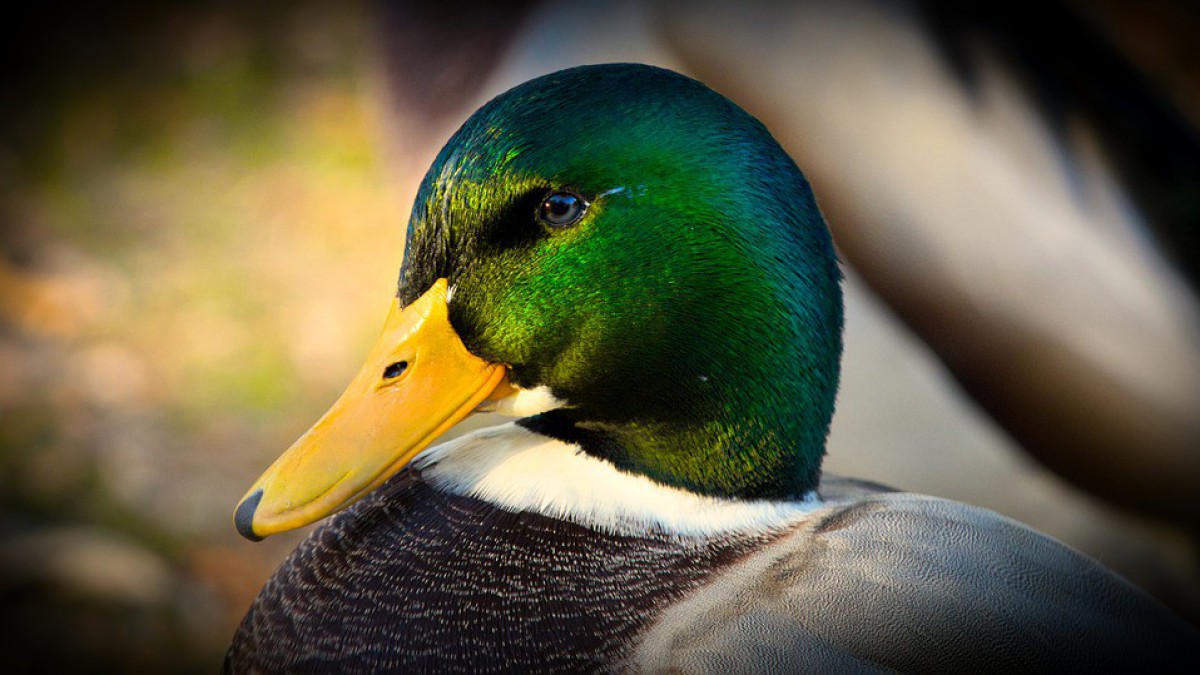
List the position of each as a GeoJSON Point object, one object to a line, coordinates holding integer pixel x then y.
{"type": "Point", "coordinates": [395, 370]}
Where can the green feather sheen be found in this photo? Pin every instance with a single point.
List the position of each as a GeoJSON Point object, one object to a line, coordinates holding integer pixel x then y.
{"type": "Point", "coordinates": [692, 319]}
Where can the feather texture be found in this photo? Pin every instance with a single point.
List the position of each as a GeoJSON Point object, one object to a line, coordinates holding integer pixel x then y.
{"type": "Point", "coordinates": [412, 578]}
{"type": "Point", "coordinates": [415, 579]}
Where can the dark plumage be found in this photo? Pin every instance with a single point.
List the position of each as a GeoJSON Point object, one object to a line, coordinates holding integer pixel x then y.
{"type": "Point", "coordinates": [415, 579]}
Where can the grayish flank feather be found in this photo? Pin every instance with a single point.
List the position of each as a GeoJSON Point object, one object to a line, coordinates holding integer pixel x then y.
{"type": "Point", "coordinates": [916, 584]}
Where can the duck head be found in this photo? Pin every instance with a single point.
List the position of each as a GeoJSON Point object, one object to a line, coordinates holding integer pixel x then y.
{"type": "Point", "coordinates": [627, 247]}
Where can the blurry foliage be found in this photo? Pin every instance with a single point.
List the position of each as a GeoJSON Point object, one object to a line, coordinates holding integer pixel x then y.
{"type": "Point", "coordinates": [193, 204]}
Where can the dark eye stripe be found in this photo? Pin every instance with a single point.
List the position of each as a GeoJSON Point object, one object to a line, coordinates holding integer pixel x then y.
{"type": "Point", "coordinates": [561, 209]}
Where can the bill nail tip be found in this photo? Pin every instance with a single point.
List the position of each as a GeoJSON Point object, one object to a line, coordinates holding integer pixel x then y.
{"type": "Point", "coordinates": [243, 519]}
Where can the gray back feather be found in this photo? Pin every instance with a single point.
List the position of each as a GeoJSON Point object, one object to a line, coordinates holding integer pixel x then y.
{"type": "Point", "coordinates": [916, 584]}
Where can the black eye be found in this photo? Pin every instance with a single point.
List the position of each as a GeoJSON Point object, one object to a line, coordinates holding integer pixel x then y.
{"type": "Point", "coordinates": [395, 370]}
{"type": "Point", "coordinates": [561, 209]}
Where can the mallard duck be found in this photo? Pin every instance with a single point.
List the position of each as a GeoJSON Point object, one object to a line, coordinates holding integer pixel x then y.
{"type": "Point", "coordinates": [629, 264]}
{"type": "Point", "coordinates": [1010, 322]}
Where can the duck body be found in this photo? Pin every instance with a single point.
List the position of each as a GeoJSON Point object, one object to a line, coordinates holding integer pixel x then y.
{"type": "Point", "coordinates": [434, 573]}
{"type": "Point", "coordinates": [629, 263]}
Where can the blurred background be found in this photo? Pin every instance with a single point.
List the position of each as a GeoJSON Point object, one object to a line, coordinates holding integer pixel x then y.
{"type": "Point", "coordinates": [201, 220]}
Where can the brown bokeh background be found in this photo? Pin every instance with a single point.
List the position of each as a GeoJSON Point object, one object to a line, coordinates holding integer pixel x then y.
{"type": "Point", "coordinates": [199, 234]}
{"type": "Point", "coordinates": [201, 219]}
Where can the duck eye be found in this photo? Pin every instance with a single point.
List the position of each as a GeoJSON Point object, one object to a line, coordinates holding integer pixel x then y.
{"type": "Point", "coordinates": [395, 370]}
{"type": "Point", "coordinates": [561, 209]}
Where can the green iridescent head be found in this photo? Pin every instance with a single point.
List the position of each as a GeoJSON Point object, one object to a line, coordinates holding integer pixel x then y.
{"type": "Point", "coordinates": [641, 246]}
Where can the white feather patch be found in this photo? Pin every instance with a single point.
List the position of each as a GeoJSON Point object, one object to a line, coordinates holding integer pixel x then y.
{"type": "Point", "coordinates": [519, 470]}
{"type": "Point", "coordinates": [525, 403]}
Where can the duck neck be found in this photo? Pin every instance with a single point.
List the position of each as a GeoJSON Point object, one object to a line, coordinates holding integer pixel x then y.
{"type": "Point", "coordinates": [747, 421]}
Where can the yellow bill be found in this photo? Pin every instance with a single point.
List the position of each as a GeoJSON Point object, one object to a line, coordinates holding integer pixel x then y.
{"type": "Point", "coordinates": [418, 381]}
